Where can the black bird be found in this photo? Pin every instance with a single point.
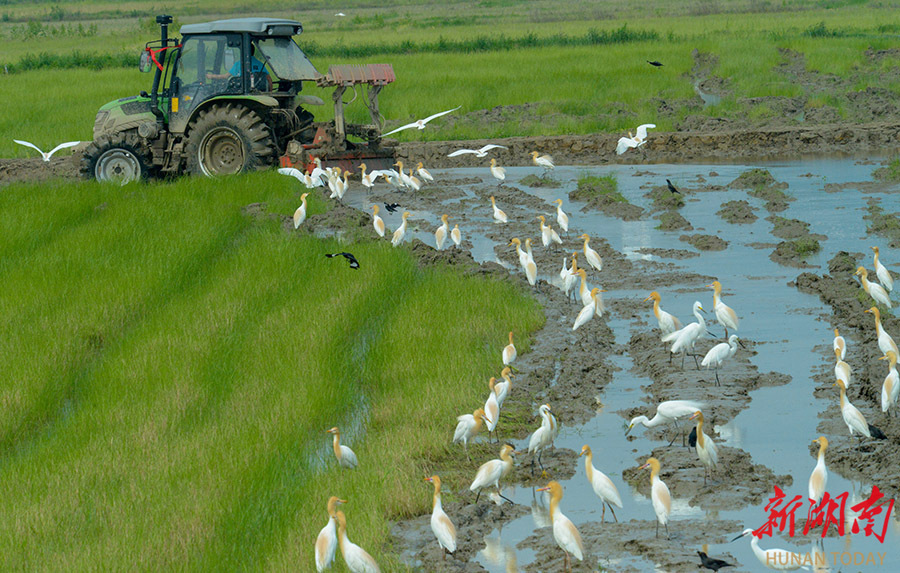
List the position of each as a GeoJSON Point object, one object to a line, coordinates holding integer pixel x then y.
{"type": "Point", "coordinates": [876, 433]}
{"type": "Point", "coordinates": [654, 63]}
{"type": "Point", "coordinates": [354, 264]}
{"type": "Point", "coordinates": [712, 564]}
{"type": "Point", "coordinates": [391, 207]}
{"type": "Point", "coordinates": [692, 438]}
{"type": "Point", "coordinates": [672, 188]}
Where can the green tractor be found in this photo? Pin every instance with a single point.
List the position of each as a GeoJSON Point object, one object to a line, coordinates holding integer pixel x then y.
{"type": "Point", "coordinates": [226, 99]}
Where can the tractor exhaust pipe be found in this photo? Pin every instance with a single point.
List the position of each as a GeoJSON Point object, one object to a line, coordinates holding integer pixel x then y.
{"type": "Point", "coordinates": [163, 21]}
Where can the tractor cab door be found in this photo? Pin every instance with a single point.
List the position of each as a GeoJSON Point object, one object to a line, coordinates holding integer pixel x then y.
{"type": "Point", "coordinates": [208, 65]}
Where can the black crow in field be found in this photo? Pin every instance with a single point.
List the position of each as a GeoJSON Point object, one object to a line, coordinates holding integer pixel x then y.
{"type": "Point", "coordinates": [354, 264]}
{"type": "Point", "coordinates": [710, 563]}
{"type": "Point", "coordinates": [654, 63]}
{"type": "Point", "coordinates": [672, 188]}
{"type": "Point", "coordinates": [391, 207]}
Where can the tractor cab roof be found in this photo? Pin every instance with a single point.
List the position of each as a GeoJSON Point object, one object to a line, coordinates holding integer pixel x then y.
{"type": "Point", "coordinates": [262, 26]}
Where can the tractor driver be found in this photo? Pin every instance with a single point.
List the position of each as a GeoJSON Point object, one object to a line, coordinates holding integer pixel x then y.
{"type": "Point", "coordinates": [256, 66]}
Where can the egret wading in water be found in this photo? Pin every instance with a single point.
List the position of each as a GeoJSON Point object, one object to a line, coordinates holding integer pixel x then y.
{"type": "Point", "coordinates": [778, 559]}
{"type": "Point", "coordinates": [356, 558]}
{"type": "Point", "coordinates": [706, 448]}
{"type": "Point", "coordinates": [498, 172]}
{"type": "Point", "coordinates": [890, 389]}
{"type": "Point", "coordinates": [874, 290]}
{"type": "Point", "coordinates": [543, 161]}
{"type": "Point", "coordinates": [345, 456]}
{"type": "Point", "coordinates": [327, 540]}
{"type": "Point", "coordinates": [467, 427]}
{"type": "Point", "coordinates": [300, 213]}
{"type": "Point", "coordinates": [602, 485]}
{"type": "Point", "coordinates": [683, 340]}
{"type": "Point", "coordinates": [720, 353]}
{"type": "Point", "coordinates": [564, 531]}
{"type": "Point", "coordinates": [668, 412]}
{"type": "Point", "coordinates": [819, 477]}
{"type": "Point", "coordinates": [724, 314]}
{"type": "Point", "coordinates": [884, 276]}
{"type": "Point", "coordinates": [441, 526]}
{"type": "Point", "coordinates": [659, 495]}
{"type": "Point", "coordinates": [491, 472]}
{"type": "Point", "coordinates": [542, 437]}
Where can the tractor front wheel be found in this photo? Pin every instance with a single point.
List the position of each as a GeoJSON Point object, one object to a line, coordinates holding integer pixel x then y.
{"type": "Point", "coordinates": [228, 139]}
{"type": "Point", "coordinates": [119, 158]}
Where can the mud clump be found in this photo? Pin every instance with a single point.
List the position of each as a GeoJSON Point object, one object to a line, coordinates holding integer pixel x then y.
{"type": "Point", "coordinates": [884, 224]}
{"type": "Point", "coordinates": [540, 182]}
{"type": "Point", "coordinates": [601, 194]}
{"type": "Point", "coordinates": [668, 253]}
{"type": "Point", "coordinates": [705, 242]}
{"type": "Point", "coordinates": [672, 221]}
{"type": "Point", "coordinates": [791, 228]}
{"type": "Point", "coordinates": [761, 184]}
{"type": "Point", "coordinates": [792, 253]}
{"type": "Point", "coordinates": [664, 200]}
{"type": "Point", "coordinates": [890, 173]}
{"type": "Point", "coordinates": [737, 213]}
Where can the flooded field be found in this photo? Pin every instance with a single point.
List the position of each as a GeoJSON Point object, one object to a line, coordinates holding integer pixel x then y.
{"type": "Point", "coordinates": [776, 396]}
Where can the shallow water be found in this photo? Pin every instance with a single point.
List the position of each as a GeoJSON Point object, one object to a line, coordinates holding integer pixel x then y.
{"type": "Point", "coordinates": [791, 330]}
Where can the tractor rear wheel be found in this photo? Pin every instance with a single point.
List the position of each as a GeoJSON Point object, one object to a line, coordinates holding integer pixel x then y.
{"type": "Point", "coordinates": [228, 139]}
{"type": "Point", "coordinates": [120, 158]}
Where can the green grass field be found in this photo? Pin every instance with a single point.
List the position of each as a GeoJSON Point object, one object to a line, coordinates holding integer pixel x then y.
{"type": "Point", "coordinates": [172, 365]}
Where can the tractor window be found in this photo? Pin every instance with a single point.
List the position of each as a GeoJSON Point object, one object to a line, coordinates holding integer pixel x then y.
{"type": "Point", "coordinates": [210, 57]}
{"type": "Point", "coordinates": [286, 59]}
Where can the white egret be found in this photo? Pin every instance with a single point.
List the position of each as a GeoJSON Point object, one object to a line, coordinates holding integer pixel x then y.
{"type": "Point", "coordinates": [659, 495]}
{"type": "Point", "coordinates": [854, 419]}
{"type": "Point", "coordinates": [884, 276]}
{"type": "Point", "coordinates": [839, 344]}
{"type": "Point", "coordinates": [423, 173]}
{"type": "Point", "coordinates": [603, 486]}
{"type": "Point", "coordinates": [841, 369]}
{"type": "Point", "coordinates": [874, 290]}
{"type": "Point", "coordinates": [499, 216]}
{"type": "Point", "coordinates": [377, 221]}
{"type": "Point", "coordinates": [441, 526]}
{"type": "Point", "coordinates": [885, 342]}
{"type": "Point", "coordinates": [482, 152]}
{"type": "Point", "coordinates": [468, 427]}
{"type": "Point", "coordinates": [491, 472]}
{"type": "Point", "coordinates": [890, 389]}
{"type": "Point", "coordinates": [492, 409]}
{"type": "Point", "coordinates": [420, 123]}
{"type": "Point", "coordinates": [502, 388]}
{"type": "Point", "coordinates": [777, 559]}
{"type": "Point", "coordinates": [588, 311]}
{"type": "Point", "coordinates": [327, 540]}
{"type": "Point", "coordinates": [543, 436]}
{"type": "Point", "coordinates": [720, 353]}
{"type": "Point", "coordinates": [345, 456]}
{"type": "Point", "coordinates": [683, 340]}
{"type": "Point", "coordinates": [584, 292]}
{"type": "Point", "coordinates": [548, 235]}
{"type": "Point", "coordinates": [527, 262]}
{"type": "Point", "coordinates": [667, 412]}
{"type": "Point", "coordinates": [401, 230]}
{"type": "Point", "coordinates": [819, 477]}
{"type": "Point", "coordinates": [632, 141]}
{"type": "Point", "coordinates": [47, 154]}
{"type": "Point", "coordinates": [413, 182]}
{"type": "Point", "coordinates": [300, 213]}
{"type": "Point", "coordinates": [356, 558]}
{"type": "Point", "coordinates": [498, 172]}
{"type": "Point", "coordinates": [543, 161]}
{"type": "Point", "coordinates": [455, 235]}
{"type": "Point", "coordinates": [590, 255]}
{"type": "Point", "coordinates": [561, 216]}
{"type": "Point", "coordinates": [509, 351]}
{"type": "Point", "coordinates": [564, 531]}
{"type": "Point", "coordinates": [724, 313]}
{"type": "Point", "coordinates": [706, 447]}
{"type": "Point", "coordinates": [667, 322]}
{"type": "Point", "coordinates": [440, 235]}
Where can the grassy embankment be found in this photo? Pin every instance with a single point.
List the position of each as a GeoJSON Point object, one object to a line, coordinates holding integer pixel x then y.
{"type": "Point", "coordinates": [171, 365]}
{"type": "Point", "coordinates": [578, 75]}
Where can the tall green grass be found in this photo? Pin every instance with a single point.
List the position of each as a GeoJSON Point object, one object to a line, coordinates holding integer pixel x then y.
{"type": "Point", "coordinates": [172, 364]}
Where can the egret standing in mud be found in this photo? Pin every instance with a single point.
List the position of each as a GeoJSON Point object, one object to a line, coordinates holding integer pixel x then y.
{"type": "Point", "coordinates": [542, 437]}
{"type": "Point", "coordinates": [884, 276]}
{"type": "Point", "coordinates": [854, 419]}
{"type": "Point", "coordinates": [467, 427]}
{"type": "Point", "coordinates": [588, 311]}
{"type": "Point", "coordinates": [706, 448]}
{"type": "Point", "coordinates": [720, 353]}
{"type": "Point", "coordinates": [841, 369]}
{"type": "Point", "coordinates": [659, 495]}
{"type": "Point", "coordinates": [683, 340]}
{"type": "Point", "coordinates": [491, 472]}
{"type": "Point", "coordinates": [890, 389]}
{"type": "Point", "coordinates": [502, 388]}
{"type": "Point", "coordinates": [874, 290]}
{"type": "Point", "coordinates": [839, 344]}
{"type": "Point", "coordinates": [456, 236]}
{"type": "Point", "coordinates": [544, 161]}
{"type": "Point", "coordinates": [492, 408]}
{"type": "Point", "coordinates": [440, 235]}
{"type": "Point", "coordinates": [300, 213]}
{"type": "Point", "coordinates": [602, 485]}
{"type": "Point", "coordinates": [819, 477]}
{"type": "Point", "coordinates": [345, 456]}
{"type": "Point", "coordinates": [590, 255]}
{"type": "Point", "coordinates": [564, 531]}
{"type": "Point", "coordinates": [499, 216]}
{"type": "Point", "coordinates": [401, 230]}
{"type": "Point", "coordinates": [498, 172]}
{"type": "Point", "coordinates": [724, 313]}
{"type": "Point", "coordinates": [441, 526]}
{"type": "Point", "coordinates": [668, 412]}
{"type": "Point", "coordinates": [779, 559]}
{"type": "Point", "coordinates": [509, 351]}
{"type": "Point", "coordinates": [885, 342]}
{"type": "Point", "coordinates": [561, 216]}
{"type": "Point", "coordinates": [377, 221]}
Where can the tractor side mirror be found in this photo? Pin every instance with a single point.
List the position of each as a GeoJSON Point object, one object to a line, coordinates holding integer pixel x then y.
{"type": "Point", "coordinates": [146, 63]}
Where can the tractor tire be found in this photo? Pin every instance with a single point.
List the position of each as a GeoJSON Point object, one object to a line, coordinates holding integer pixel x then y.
{"type": "Point", "coordinates": [120, 158]}
{"type": "Point", "coordinates": [228, 139]}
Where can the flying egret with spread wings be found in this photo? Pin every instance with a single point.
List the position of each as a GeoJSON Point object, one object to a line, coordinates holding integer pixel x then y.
{"type": "Point", "coordinates": [482, 152]}
{"type": "Point", "coordinates": [420, 123]}
{"type": "Point", "coordinates": [47, 155]}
